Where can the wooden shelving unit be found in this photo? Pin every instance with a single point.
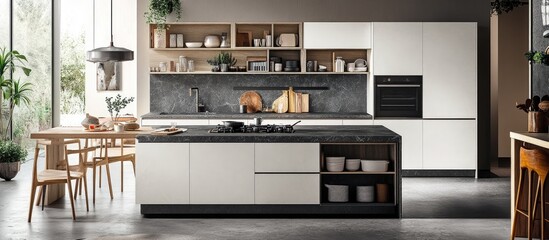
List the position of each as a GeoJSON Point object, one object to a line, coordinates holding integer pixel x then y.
{"type": "Point", "coordinates": [378, 151]}
{"type": "Point", "coordinates": [197, 31]}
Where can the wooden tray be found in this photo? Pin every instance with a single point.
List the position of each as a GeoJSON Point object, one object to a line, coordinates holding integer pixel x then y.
{"type": "Point", "coordinates": [252, 100]}
{"type": "Point", "coordinates": [167, 131]}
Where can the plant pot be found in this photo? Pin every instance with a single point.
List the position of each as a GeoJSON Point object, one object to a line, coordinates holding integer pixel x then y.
{"type": "Point", "coordinates": [224, 67]}
{"type": "Point", "coordinates": [215, 68]}
{"type": "Point", "coordinates": [118, 127]}
{"type": "Point", "coordinates": [9, 170]}
{"type": "Point", "coordinates": [537, 122]}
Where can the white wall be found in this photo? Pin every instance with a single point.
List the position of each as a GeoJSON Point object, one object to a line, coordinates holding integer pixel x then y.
{"type": "Point", "coordinates": [125, 16]}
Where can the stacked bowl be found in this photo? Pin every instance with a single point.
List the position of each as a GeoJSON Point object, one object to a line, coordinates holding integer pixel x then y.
{"type": "Point", "coordinates": [335, 164]}
{"type": "Point", "coordinates": [352, 164]}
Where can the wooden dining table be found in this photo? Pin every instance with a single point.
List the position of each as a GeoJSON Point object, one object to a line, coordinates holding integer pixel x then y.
{"type": "Point", "coordinates": [55, 151]}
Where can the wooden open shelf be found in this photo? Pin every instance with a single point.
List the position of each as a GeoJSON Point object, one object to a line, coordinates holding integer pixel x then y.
{"type": "Point", "coordinates": [197, 31]}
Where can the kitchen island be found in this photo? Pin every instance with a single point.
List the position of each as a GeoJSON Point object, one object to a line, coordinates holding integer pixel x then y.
{"type": "Point", "coordinates": [198, 172]}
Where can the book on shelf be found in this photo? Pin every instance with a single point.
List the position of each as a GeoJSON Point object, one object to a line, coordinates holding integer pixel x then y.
{"type": "Point", "coordinates": [257, 64]}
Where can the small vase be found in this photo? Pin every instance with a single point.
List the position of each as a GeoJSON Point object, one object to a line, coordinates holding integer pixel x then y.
{"type": "Point", "coordinates": [159, 38]}
{"type": "Point", "coordinates": [537, 122]}
{"type": "Point", "coordinates": [9, 170]}
{"type": "Point", "coordinates": [224, 67]}
{"type": "Point", "coordinates": [118, 127]}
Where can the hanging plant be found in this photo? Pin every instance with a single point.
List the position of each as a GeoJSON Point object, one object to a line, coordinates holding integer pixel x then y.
{"type": "Point", "coordinates": [504, 6]}
{"type": "Point", "coordinates": [160, 9]}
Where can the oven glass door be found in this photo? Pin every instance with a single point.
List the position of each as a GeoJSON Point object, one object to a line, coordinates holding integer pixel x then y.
{"type": "Point", "coordinates": [398, 100]}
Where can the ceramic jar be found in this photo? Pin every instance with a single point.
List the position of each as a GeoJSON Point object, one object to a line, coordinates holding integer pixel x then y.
{"type": "Point", "coordinates": [212, 41]}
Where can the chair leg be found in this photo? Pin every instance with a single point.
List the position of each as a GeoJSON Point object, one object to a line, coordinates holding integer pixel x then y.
{"type": "Point", "coordinates": [33, 192]}
{"type": "Point", "coordinates": [44, 189]}
{"type": "Point", "coordinates": [535, 205]}
{"type": "Point", "coordinates": [93, 183]}
{"type": "Point", "coordinates": [121, 176]}
{"type": "Point", "coordinates": [133, 164]}
{"type": "Point", "coordinates": [109, 179]}
{"type": "Point", "coordinates": [100, 171]}
{"type": "Point", "coordinates": [69, 186]}
{"type": "Point", "coordinates": [76, 188]}
{"type": "Point", "coordinates": [542, 208]}
{"type": "Point", "coordinates": [519, 192]}
{"type": "Point", "coordinates": [86, 192]}
{"type": "Point", "coordinates": [39, 199]}
{"type": "Point", "coordinates": [80, 188]}
{"type": "Point", "coordinates": [529, 205]}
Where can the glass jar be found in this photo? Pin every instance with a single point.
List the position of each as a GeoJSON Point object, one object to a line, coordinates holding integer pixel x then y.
{"type": "Point", "coordinates": [190, 68]}
{"type": "Point", "coordinates": [163, 66]}
{"type": "Point", "coordinates": [183, 63]}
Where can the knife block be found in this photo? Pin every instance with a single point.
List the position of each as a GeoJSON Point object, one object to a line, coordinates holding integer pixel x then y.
{"type": "Point", "coordinates": [537, 122]}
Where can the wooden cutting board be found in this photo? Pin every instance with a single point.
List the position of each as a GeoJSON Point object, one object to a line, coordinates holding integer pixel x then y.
{"type": "Point", "coordinates": [252, 100]}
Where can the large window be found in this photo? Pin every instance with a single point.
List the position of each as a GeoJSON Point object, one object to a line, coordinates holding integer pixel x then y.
{"type": "Point", "coordinates": [72, 54]}
{"type": "Point", "coordinates": [4, 23]}
{"type": "Point", "coordinates": [32, 36]}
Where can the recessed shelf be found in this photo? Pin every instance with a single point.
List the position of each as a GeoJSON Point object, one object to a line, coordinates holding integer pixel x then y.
{"type": "Point", "coordinates": [358, 173]}
{"type": "Point", "coordinates": [275, 73]}
{"type": "Point", "coordinates": [227, 49]}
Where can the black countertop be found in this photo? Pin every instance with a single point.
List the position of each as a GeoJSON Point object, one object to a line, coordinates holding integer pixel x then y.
{"type": "Point", "coordinates": [333, 115]}
{"type": "Point", "coordinates": [320, 134]}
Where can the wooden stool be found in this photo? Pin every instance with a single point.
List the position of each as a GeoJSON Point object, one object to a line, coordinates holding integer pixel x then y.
{"type": "Point", "coordinates": [533, 161]}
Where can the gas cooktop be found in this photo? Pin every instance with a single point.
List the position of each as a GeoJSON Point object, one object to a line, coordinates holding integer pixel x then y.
{"type": "Point", "coordinates": [270, 128]}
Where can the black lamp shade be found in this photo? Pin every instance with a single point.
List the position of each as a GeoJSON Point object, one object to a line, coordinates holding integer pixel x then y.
{"type": "Point", "coordinates": [110, 53]}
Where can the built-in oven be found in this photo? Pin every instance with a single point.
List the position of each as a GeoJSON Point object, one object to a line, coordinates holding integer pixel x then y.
{"type": "Point", "coordinates": [398, 96]}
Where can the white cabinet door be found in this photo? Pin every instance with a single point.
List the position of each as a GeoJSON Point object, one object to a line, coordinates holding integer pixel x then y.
{"type": "Point", "coordinates": [168, 122]}
{"type": "Point", "coordinates": [449, 144]}
{"type": "Point", "coordinates": [287, 189]}
{"type": "Point", "coordinates": [162, 173]}
{"type": "Point", "coordinates": [222, 173]}
{"type": "Point", "coordinates": [412, 138]}
{"type": "Point", "coordinates": [398, 48]}
{"type": "Point", "coordinates": [449, 70]}
{"type": "Point", "coordinates": [337, 35]}
{"type": "Point", "coordinates": [287, 157]}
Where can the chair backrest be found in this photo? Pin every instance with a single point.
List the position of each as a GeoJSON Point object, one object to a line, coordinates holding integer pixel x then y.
{"type": "Point", "coordinates": [82, 155]}
{"type": "Point", "coordinates": [536, 160]}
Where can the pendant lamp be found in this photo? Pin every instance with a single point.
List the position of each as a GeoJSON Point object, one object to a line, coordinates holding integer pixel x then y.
{"type": "Point", "coordinates": [110, 53]}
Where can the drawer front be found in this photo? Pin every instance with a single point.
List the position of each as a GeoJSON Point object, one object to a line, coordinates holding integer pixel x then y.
{"type": "Point", "coordinates": [287, 189]}
{"type": "Point", "coordinates": [287, 157]}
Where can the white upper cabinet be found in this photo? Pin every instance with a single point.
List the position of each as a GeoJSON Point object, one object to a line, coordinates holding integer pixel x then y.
{"type": "Point", "coordinates": [337, 35]}
{"type": "Point", "coordinates": [449, 70]}
{"type": "Point", "coordinates": [398, 48]}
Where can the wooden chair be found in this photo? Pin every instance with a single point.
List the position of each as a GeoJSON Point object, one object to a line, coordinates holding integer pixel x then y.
{"type": "Point", "coordinates": [107, 156]}
{"type": "Point", "coordinates": [45, 144]}
{"type": "Point", "coordinates": [534, 161]}
{"type": "Point", "coordinates": [55, 176]}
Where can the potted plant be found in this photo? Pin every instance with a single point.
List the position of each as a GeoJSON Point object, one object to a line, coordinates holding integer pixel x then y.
{"type": "Point", "coordinates": [9, 62]}
{"type": "Point", "coordinates": [157, 14]}
{"type": "Point", "coordinates": [11, 155]}
{"type": "Point", "coordinates": [214, 62]}
{"type": "Point", "coordinates": [114, 106]}
{"type": "Point", "coordinates": [500, 6]}
{"type": "Point", "coordinates": [537, 109]}
{"type": "Point", "coordinates": [226, 60]}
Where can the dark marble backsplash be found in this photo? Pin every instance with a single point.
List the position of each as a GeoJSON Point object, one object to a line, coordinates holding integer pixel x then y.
{"type": "Point", "coordinates": [170, 92]}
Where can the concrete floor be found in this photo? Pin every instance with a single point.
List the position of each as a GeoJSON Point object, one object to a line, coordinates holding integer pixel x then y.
{"type": "Point", "coordinates": [434, 208]}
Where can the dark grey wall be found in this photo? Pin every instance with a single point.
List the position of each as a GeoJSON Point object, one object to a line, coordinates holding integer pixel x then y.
{"type": "Point", "coordinates": [371, 10]}
{"type": "Point", "coordinates": [540, 73]}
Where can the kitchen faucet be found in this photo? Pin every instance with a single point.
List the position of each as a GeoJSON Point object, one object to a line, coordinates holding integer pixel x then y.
{"type": "Point", "coordinates": [199, 107]}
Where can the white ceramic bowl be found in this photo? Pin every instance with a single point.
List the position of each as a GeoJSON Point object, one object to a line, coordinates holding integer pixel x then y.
{"type": "Point", "coordinates": [335, 159]}
{"type": "Point", "coordinates": [352, 164]}
{"type": "Point", "coordinates": [335, 167]}
{"type": "Point", "coordinates": [375, 165]}
{"type": "Point", "coordinates": [193, 44]}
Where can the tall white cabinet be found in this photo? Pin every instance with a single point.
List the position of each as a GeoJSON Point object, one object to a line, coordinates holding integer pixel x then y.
{"type": "Point", "coordinates": [398, 48]}
{"type": "Point", "coordinates": [449, 70]}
